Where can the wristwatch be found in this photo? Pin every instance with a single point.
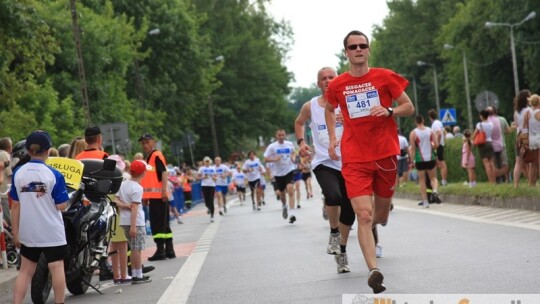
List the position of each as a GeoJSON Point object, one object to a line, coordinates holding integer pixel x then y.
{"type": "Point", "coordinates": [298, 141]}
{"type": "Point", "coordinates": [390, 111]}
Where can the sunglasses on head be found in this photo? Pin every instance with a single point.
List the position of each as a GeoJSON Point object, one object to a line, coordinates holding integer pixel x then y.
{"type": "Point", "coordinates": [353, 47]}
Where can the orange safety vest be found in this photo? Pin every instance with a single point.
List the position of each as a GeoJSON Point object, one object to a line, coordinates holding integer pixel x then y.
{"type": "Point", "coordinates": [186, 186]}
{"type": "Point", "coordinates": [92, 153]}
{"type": "Point", "coordinates": [152, 186]}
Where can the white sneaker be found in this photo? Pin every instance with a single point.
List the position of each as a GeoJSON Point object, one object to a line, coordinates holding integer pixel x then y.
{"type": "Point", "coordinates": [333, 244]}
{"type": "Point", "coordinates": [425, 204]}
{"type": "Point", "coordinates": [378, 251]}
{"type": "Point", "coordinates": [342, 262]}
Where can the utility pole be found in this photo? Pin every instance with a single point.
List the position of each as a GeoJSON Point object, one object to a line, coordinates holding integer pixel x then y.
{"type": "Point", "coordinates": [80, 63]}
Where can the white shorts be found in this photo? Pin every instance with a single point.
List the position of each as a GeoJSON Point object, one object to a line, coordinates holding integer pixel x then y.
{"type": "Point", "coordinates": [534, 141]}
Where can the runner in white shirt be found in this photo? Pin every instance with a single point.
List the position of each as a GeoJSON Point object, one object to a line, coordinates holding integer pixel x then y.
{"type": "Point", "coordinates": [437, 127]}
{"type": "Point", "coordinates": [207, 175]}
{"type": "Point", "coordinates": [327, 171]}
{"type": "Point", "coordinates": [253, 169]}
{"type": "Point", "coordinates": [280, 153]}
{"type": "Point", "coordinates": [222, 186]}
{"type": "Point", "coordinates": [239, 180]}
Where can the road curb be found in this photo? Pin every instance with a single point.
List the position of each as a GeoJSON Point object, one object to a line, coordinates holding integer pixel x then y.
{"type": "Point", "coordinates": [475, 200]}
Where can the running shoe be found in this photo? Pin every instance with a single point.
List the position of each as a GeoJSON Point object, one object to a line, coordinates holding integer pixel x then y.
{"type": "Point", "coordinates": [142, 280]}
{"type": "Point", "coordinates": [342, 262]}
{"type": "Point", "coordinates": [425, 204]}
{"type": "Point", "coordinates": [375, 281]}
{"type": "Point", "coordinates": [220, 212]}
{"type": "Point", "coordinates": [292, 219]}
{"type": "Point", "coordinates": [435, 198]}
{"type": "Point", "coordinates": [284, 212]}
{"type": "Point", "coordinates": [333, 244]}
{"type": "Point", "coordinates": [378, 251]}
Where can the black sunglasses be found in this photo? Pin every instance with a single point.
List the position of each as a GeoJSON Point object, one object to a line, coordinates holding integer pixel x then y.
{"type": "Point", "coordinates": [362, 46]}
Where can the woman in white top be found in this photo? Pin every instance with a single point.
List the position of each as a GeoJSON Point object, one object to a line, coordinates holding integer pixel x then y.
{"type": "Point", "coordinates": [486, 150]}
{"type": "Point", "coordinates": [521, 106]}
{"type": "Point", "coordinates": [532, 121]}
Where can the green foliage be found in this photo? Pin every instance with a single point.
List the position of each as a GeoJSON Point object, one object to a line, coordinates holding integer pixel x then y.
{"type": "Point", "coordinates": [299, 96]}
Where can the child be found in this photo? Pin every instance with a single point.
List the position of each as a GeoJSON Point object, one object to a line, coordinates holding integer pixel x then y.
{"type": "Point", "coordinates": [467, 158]}
{"type": "Point", "coordinates": [118, 244]}
{"type": "Point", "coordinates": [129, 199]}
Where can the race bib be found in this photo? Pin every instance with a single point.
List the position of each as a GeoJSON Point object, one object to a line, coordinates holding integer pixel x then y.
{"type": "Point", "coordinates": [322, 132]}
{"type": "Point", "coordinates": [359, 105]}
{"type": "Point", "coordinates": [284, 154]}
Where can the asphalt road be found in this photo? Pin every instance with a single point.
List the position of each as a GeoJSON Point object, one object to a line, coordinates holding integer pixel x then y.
{"type": "Point", "coordinates": [251, 256]}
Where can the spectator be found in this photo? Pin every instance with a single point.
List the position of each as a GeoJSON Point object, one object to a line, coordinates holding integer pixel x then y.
{"type": "Point", "coordinates": [77, 146]}
{"type": "Point", "coordinates": [498, 145]}
{"type": "Point", "coordinates": [521, 106]}
{"type": "Point", "coordinates": [94, 140]}
{"type": "Point", "coordinates": [505, 129]}
{"type": "Point", "coordinates": [63, 150]}
{"type": "Point", "coordinates": [486, 149]}
{"type": "Point", "coordinates": [467, 158]}
{"type": "Point", "coordinates": [39, 196]}
{"type": "Point", "coordinates": [6, 147]}
{"type": "Point", "coordinates": [53, 152]}
{"type": "Point", "coordinates": [403, 161]}
{"type": "Point", "coordinates": [448, 133]}
{"type": "Point", "coordinates": [532, 120]}
{"type": "Point", "coordinates": [457, 132]}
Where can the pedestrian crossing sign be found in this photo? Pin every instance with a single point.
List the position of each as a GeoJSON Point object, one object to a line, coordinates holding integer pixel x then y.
{"type": "Point", "coordinates": [448, 116]}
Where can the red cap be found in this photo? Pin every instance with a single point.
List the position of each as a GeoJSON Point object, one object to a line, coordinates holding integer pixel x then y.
{"type": "Point", "coordinates": [137, 167]}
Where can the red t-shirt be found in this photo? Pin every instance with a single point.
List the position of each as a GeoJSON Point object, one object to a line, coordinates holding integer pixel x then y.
{"type": "Point", "coordinates": [366, 138]}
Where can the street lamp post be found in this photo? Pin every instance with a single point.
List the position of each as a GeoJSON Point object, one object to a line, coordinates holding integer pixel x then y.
{"type": "Point", "coordinates": [436, 83]}
{"type": "Point", "coordinates": [467, 89]}
{"type": "Point", "coordinates": [490, 24]}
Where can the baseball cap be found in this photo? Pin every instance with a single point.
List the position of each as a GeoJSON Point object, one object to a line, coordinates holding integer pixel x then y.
{"type": "Point", "coordinates": [137, 167]}
{"type": "Point", "coordinates": [146, 136]}
{"type": "Point", "coordinates": [38, 141]}
{"type": "Point", "coordinates": [92, 131]}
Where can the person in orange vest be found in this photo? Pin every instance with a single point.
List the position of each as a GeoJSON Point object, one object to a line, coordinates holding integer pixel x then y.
{"type": "Point", "coordinates": [94, 139]}
{"type": "Point", "coordinates": [155, 195]}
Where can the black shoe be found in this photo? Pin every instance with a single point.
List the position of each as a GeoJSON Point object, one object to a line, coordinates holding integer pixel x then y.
{"type": "Point", "coordinates": [158, 256]}
{"type": "Point", "coordinates": [292, 219]}
{"type": "Point", "coordinates": [435, 198]}
{"type": "Point", "coordinates": [170, 255]}
{"type": "Point", "coordinates": [145, 269]}
{"type": "Point", "coordinates": [142, 280]}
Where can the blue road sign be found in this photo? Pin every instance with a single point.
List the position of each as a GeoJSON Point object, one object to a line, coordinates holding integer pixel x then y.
{"type": "Point", "coordinates": [448, 116]}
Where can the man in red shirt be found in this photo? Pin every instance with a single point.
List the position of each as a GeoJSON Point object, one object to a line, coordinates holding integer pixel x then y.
{"type": "Point", "coordinates": [369, 144]}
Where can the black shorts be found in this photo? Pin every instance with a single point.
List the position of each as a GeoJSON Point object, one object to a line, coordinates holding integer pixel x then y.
{"type": "Point", "coordinates": [241, 189]}
{"type": "Point", "coordinates": [306, 175]}
{"type": "Point", "coordinates": [425, 166]}
{"type": "Point", "coordinates": [440, 153]}
{"type": "Point", "coordinates": [52, 254]}
{"type": "Point", "coordinates": [254, 184]}
{"type": "Point", "coordinates": [283, 181]}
